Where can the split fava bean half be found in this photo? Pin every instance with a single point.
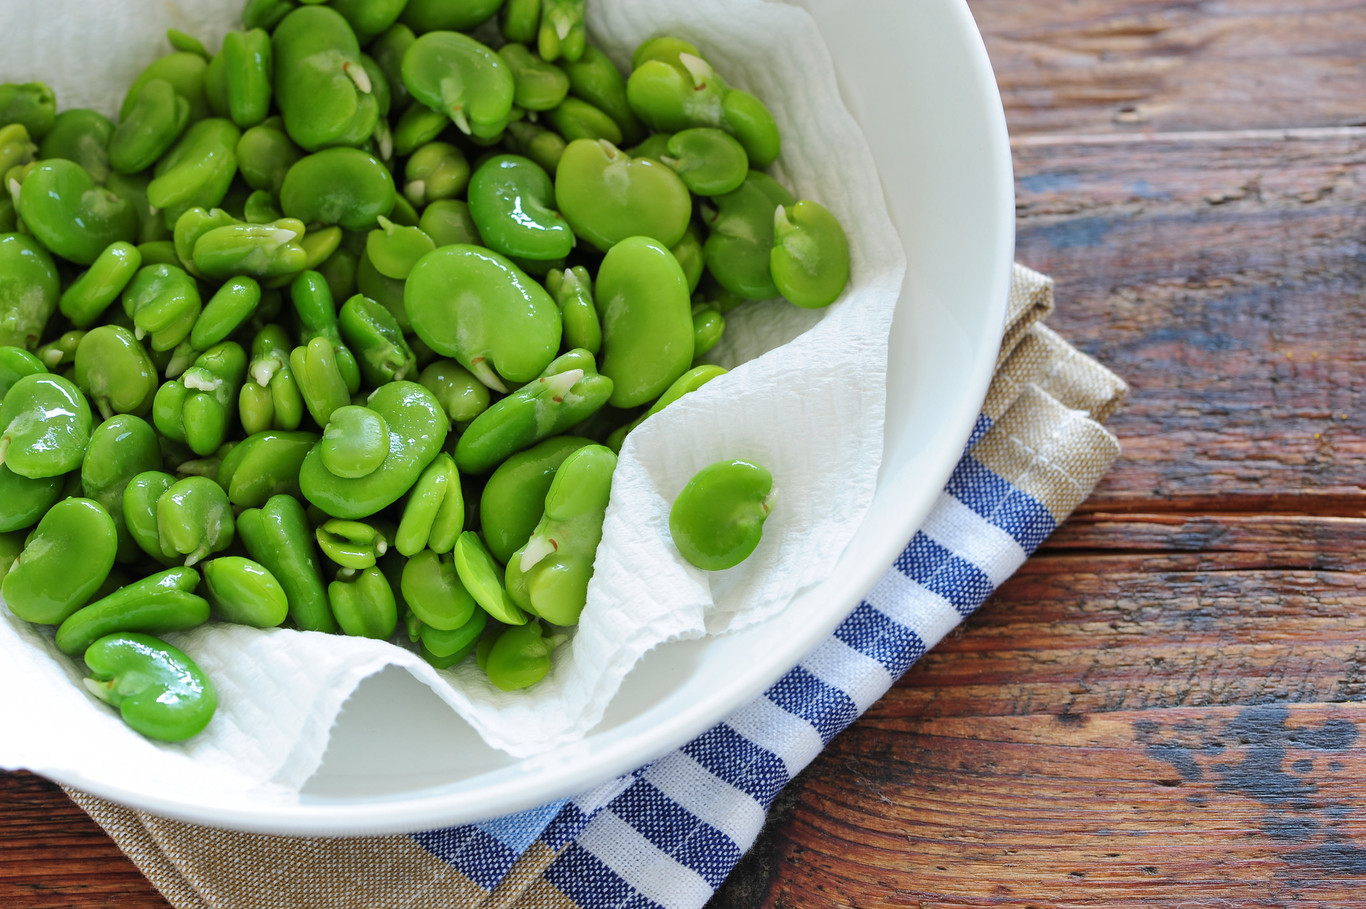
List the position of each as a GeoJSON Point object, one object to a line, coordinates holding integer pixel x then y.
{"type": "Point", "coordinates": [717, 519]}
{"type": "Point", "coordinates": [158, 690]}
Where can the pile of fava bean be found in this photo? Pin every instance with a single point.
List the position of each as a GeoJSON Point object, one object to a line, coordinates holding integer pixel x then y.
{"type": "Point", "coordinates": [341, 328]}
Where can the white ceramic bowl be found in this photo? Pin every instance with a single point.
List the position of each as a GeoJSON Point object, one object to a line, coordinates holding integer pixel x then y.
{"type": "Point", "coordinates": [917, 77]}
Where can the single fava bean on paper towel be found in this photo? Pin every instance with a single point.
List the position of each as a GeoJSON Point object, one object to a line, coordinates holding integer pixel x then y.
{"type": "Point", "coordinates": [718, 518]}
{"type": "Point", "coordinates": [157, 689]}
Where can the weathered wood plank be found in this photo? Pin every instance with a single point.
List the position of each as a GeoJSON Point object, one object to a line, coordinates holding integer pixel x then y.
{"type": "Point", "coordinates": [1223, 277]}
{"type": "Point", "coordinates": [1104, 66]}
{"type": "Point", "coordinates": [1150, 807]}
{"type": "Point", "coordinates": [53, 856]}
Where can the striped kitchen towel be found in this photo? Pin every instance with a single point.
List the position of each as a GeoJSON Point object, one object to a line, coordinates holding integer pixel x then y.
{"type": "Point", "coordinates": [669, 833]}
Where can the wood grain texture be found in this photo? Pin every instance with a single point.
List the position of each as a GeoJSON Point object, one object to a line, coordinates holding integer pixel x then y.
{"type": "Point", "coordinates": [1135, 66]}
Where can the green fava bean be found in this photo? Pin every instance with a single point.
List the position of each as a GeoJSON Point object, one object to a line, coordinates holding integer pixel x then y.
{"type": "Point", "coordinates": [513, 500]}
{"type": "Point", "coordinates": [72, 216]}
{"type": "Point", "coordinates": [187, 43]}
{"type": "Point", "coordinates": [120, 449]}
{"type": "Point", "coordinates": [483, 578]}
{"type": "Point", "coordinates": [248, 68]}
{"type": "Point", "coordinates": [114, 370]}
{"type": "Point", "coordinates": [263, 465]}
{"type": "Point", "coordinates": [29, 290]}
{"type": "Point", "coordinates": [453, 73]}
{"type": "Point", "coordinates": [474, 305]}
{"type": "Point", "coordinates": [437, 170]}
{"type": "Point", "coordinates": [154, 605]}
{"type": "Point", "coordinates": [270, 398]}
{"type": "Point", "coordinates": [718, 518]}
{"type": "Point", "coordinates": [140, 497]}
{"type": "Point", "coordinates": [394, 250]}
{"type": "Point", "coordinates": [321, 86]}
{"type": "Point", "coordinates": [434, 515]}
{"type": "Point", "coordinates": [691, 380]}
{"type": "Point", "coordinates": [194, 519]}
{"type": "Point", "coordinates": [520, 20]}
{"type": "Point", "coordinates": [607, 196]}
{"type": "Point", "coordinates": [163, 302]}
{"type": "Point", "coordinates": [739, 246]}
{"type": "Point", "coordinates": [418, 126]}
{"type": "Point", "coordinates": [810, 257]}
{"type": "Point", "coordinates": [86, 299]}
{"type": "Point", "coordinates": [596, 79]}
{"type": "Point", "coordinates": [443, 649]}
{"type": "Point", "coordinates": [567, 393]}
{"type": "Point", "coordinates": [156, 121]}
{"type": "Point", "coordinates": [647, 327]}
{"type": "Point", "coordinates": [447, 222]}
{"type": "Point", "coordinates": [157, 689]}
{"type": "Point", "coordinates": [538, 85]}
{"type": "Point", "coordinates": [376, 338]}
{"type": "Point", "coordinates": [192, 224]}
{"type": "Point", "coordinates": [11, 544]}
{"type": "Point", "coordinates": [462, 396]}
{"type": "Point", "coordinates": [364, 604]}
{"type": "Point", "coordinates": [355, 442]}
{"type": "Point", "coordinates": [31, 104]}
{"type": "Point", "coordinates": [59, 353]}
{"type": "Point", "coordinates": [343, 186]}
{"type": "Point", "coordinates": [185, 71]}
{"type": "Point", "coordinates": [434, 591]}
{"type": "Point", "coordinates": [271, 250]}
{"type": "Point", "coordinates": [573, 291]}
{"type": "Point", "coordinates": [63, 563]}
{"type": "Point", "coordinates": [520, 657]}
{"type": "Point", "coordinates": [16, 147]}
{"type": "Point", "coordinates": [227, 310]}
{"type": "Point", "coordinates": [198, 169]}
{"type": "Point", "coordinates": [265, 155]}
{"type": "Point", "coordinates": [417, 431]}
{"type": "Point", "coordinates": [709, 160]}
{"type": "Point", "coordinates": [23, 501]}
{"type": "Point", "coordinates": [541, 145]}
{"type": "Point", "coordinates": [261, 208]}
{"type": "Point", "coordinates": [575, 118]}
{"type": "Point", "coordinates": [15, 363]}
{"type": "Point", "coordinates": [549, 575]}
{"type": "Point", "coordinates": [387, 50]}
{"type": "Point", "coordinates": [442, 15]}
{"type": "Point", "coordinates": [197, 408]}
{"type": "Point", "coordinates": [278, 536]}
{"type": "Point", "coordinates": [369, 18]}
{"type": "Point", "coordinates": [510, 199]}
{"type": "Point", "coordinates": [319, 379]}
{"type": "Point", "coordinates": [158, 252]}
{"type": "Point", "coordinates": [45, 426]}
{"type": "Point", "coordinates": [317, 312]}
{"type": "Point", "coordinates": [353, 545]}
{"type": "Point", "coordinates": [80, 135]}
{"type": "Point", "coordinates": [244, 592]}
{"type": "Point", "coordinates": [266, 14]}
{"type": "Point", "coordinates": [708, 324]}
{"type": "Point", "coordinates": [563, 33]}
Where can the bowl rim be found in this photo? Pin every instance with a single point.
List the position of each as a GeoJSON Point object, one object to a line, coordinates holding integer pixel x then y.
{"type": "Point", "coordinates": [429, 808]}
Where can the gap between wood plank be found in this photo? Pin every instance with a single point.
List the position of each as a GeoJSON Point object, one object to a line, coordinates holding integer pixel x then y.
{"type": "Point", "coordinates": [1236, 135]}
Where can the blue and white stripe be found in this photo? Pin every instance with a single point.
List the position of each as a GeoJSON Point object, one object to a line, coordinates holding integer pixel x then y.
{"type": "Point", "coordinates": [671, 833]}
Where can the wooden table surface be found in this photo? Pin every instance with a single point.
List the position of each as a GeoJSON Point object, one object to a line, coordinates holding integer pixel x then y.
{"type": "Point", "coordinates": [1160, 709]}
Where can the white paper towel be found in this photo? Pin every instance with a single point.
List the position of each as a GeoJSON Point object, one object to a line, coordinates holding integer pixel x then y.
{"type": "Point", "coordinates": [805, 397]}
